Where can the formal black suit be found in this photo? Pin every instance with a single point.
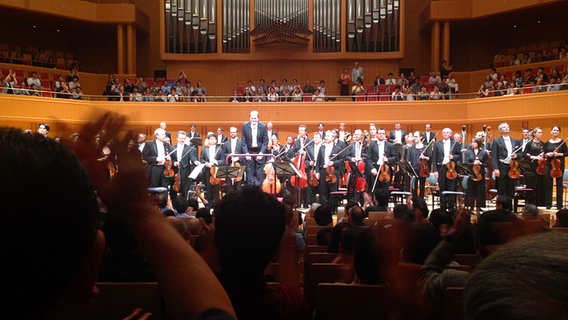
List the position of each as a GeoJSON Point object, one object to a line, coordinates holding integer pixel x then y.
{"type": "Point", "coordinates": [191, 135]}
{"type": "Point", "coordinates": [445, 184]}
{"type": "Point", "coordinates": [475, 193]}
{"type": "Point", "coordinates": [255, 174]}
{"type": "Point", "coordinates": [221, 139]}
{"type": "Point", "coordinates": [188, 156]}
{"type": "Point", "coordinates": [428, 138]}
{"type": "Point", "coordinates": [505, 185]}
{"type": "Point", "coordinates": [414, 159]}
{"type": "Point", "coordinates": [156, 176]}
{"type": "Point", "coordinates": [312, 157]}
{"type": "Point", "coordinates": [293, 152]}
{"type": "Point", "coordinates": [271, 133]}
{"type": "Point", "coordinates": [237, 149]}
{"type": "Point", "coordinates": [212, 191]}
{"type": "Point", "coordinates": [326, 187]}
{"type": "Point", "coordinates": [392, 136]}
{"type": "Point", "coordinates": [373, 157]}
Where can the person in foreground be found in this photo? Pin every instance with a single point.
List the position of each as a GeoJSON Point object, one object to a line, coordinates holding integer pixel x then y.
{"type": "Point", "coordinates": [524, 280]}
{"type": "Point", "coordinates": [56, 280]}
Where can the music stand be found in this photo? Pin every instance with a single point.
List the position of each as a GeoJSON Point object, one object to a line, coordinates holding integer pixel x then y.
{"type": "Point", "coordinates": [525, 167]}
{"type": "Point", "coordinates": [196, 141]}
{"type": "Point", "coordinates": [230, 172]}
{"type": "Point", "coordinates": [407, 168]}
{"type": "Point", "coordinates": [286, 168]}
{"type": "Point", "coordinates": [465, 169]}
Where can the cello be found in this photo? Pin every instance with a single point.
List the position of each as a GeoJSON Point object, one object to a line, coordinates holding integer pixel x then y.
{"type": "Point", "coordinates": [270, 184]}
{"type": "Point", "coordinates": [302, 180]}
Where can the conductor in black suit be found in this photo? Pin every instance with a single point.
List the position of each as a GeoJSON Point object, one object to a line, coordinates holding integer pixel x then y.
{"type": "Point", "coordinates": [502, 150]}
{"type": "Point", "coordinates": [255, 141]}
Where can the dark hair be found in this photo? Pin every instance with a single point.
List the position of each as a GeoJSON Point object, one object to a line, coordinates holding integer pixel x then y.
{"type": "Point", "coordinates": [205, 214]}
{"type": "Point", "coordinates": [44, 240]}
{"type": "Point", "coordinates": [534, 269]}
{"type": "Point", "coordinates": [180, 205]}
{"type": "Point", "coordinates": [193, 203]}
{"type": "Point", "coordinates": [562, 218]}
{"type": "Point", "coordinates": [439, 217]}
{"type": "Point", "coordinates": [323, 216]}
{"type": "Point", "coordinates": [248, 224]}
{"type": "Point", "coordinates": [422, 239]}
{"type": "Point", "coordinates": [323, 237]}
{"type": "Point", "coordinates": [420, 205]}
{"type": "Point", "coordinates": [356, 216]}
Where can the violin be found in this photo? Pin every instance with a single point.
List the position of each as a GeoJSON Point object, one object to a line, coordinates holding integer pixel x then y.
{"type": "Point", "coordinates": [556, 172]}
{"type": "Point", "coordinates": [541, 168]}
{"type": "Point", "coordinates": [271, 184]}
{"type": "Point", "coordinates": [213, 175]}
{"type": "Point", "coordinates": [451, 174]}
{"type": "Point", "coordinates": [177, 185]}
{"type": "Point", "coordinates": [476, 168]}
{"type": "Point", "coordinates": [314, 181]}
{"type": "Point", "coordinates": [330, 178]}
{"type": "Point", "coordinates": [360, 182]}
{"type": "Point", "coordinates": [384, 174]}
{"type": "Point", "coordinates": [168, 169]}
{"type": "Point", "coordinates": [514, 172]}
{"type": "Point", "coordinates": [424, 168]}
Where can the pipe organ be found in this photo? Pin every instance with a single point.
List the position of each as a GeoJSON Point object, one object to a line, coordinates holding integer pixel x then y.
{"type": "Point", "coordinates": [199, 26]}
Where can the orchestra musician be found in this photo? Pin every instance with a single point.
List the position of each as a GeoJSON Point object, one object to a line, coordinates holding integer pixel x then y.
{"type": "Point", "coordinates": [501, 155]}
{"type": "Point", "coordinates": [555, 150]}
{"type": "Point", "coordinates": [357, 153]}
{"type": "Point", "coordinates": [234, 145]}
{"type": "Point", "coordinates": [329, 160]}
{"type": "Point", "coordinates": [534, 153]}
{"type": "Point", "coordinates": [312, 152]}
{"type": "Point", "coordinates": [380, 153]}
{"type": "Point", "coordinates": [212, 156]}
{"type": "Point", "coordinates": [445, 151]}
{"type": "Point", "coordinates": [343, 135]}
{"type": "Point", "coordinates": [255, 141]}
{"type": "Point", "coordinates": [428, 134]}
{"type": "Point", "coordinates": [417, 153]}
{"type": "Point", "coordinates": [155, 154]}
{"type": "Point", "coordinates": [298, 152]}
{"type": "Point", "coordinates": [182, 159]}
{"type": "Point", "coordinates": [478, 158]}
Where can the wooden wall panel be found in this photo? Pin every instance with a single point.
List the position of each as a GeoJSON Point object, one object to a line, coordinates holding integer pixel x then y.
{"type": "Point", "coordinates": [65, 116]}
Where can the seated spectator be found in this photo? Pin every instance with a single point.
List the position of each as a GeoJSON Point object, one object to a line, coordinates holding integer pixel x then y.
{"type": "Point", "coordinates": [251, 224]}
{"type": "Point", "coordinates": [308, 88]}
{"type": "Point", "coordinates": [369, 260]}
{"type": "Point", "coordinates": [318, 96]}
{"type": "Point", "coordinates": [422, 239]}
{"type": "Point", "coordinates": [435, 94]}
{"type": "Point", "coordinates": [199, 92]}
{"type": "Point", "coordinates": [77, 94]}
{"type": "Point", "coordinates": [272, 96]}
{"type": "Point", "coordinates": [34, 79]}
{"type": "Point", "coordinates": [357, 88]}
{"type": "Point", "coordinates": [322, 87]}
{"type": "Point", "coordinates": [423, 94]}
{"type": "Point", "coordinates": [23, 90]}
{"type": "Point", "coordinates": [135, 95]}
{"type": "Point", "coordinates": [526, 59]}
{"type": "Point", "coordinates": [397, 94]}
{"type": "Point", "coordinates": [260, 96]}
{"type": "Point", "coordinates": [390, 80]}
{"type": "Point", "coordinates": [409, 94]}
{"type": "Point", "coordinates": [483, 91]}
{"type": "Point", "coordinates": [323, 216]}
{"type": "Point", "coordinates": [297, 95]}
{"type": "Point", "coordinates": [434, 78]}
{"type": "Point", "coordinates": [530, 212]}
{"type": "Point", "coordinates": [534, 268]}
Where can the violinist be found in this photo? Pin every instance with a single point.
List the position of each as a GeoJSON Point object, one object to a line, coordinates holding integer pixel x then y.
{"type": "Point", "coordinates": [275, 148]}
{"type": "Point", "coordinates": [233, 146]}
{"type": "Point", "coordinates": [379, 154]}
{"type": "Point", "coordinates": [155, 154]}
{"type": "Point", "coordinates": [536, 178]}
{"type": "Point", "coordinates": [478, 158]}
{"type": "Point", "coordinates": [446, 152]}
{"type": "Point", "coordinates": [183, 156]}
{"type": "Point", "coordinates": [357, 155]}
{"type": "Point", "coordinates": [312, 152]}
{"type": "Point", "coordinates": [503, 150]}
{"type": "Point", "coordinates": [297, 154]}
{"type": "Point", "coordinates": [419, 158]}
{"type": "Point", "coordinates": [212, 156]}
{"type": "Point", "coordinates": [555, 150]}
{"type": "Point", "coordinates": [329, 159]}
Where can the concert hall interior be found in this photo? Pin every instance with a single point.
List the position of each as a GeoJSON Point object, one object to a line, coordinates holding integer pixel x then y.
{"type": "Point", "coordinates": [341, 82]}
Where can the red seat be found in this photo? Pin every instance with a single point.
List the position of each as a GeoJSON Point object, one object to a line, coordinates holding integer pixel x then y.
{"type": "Point", "coordinates": [384, 96]}
{"type": "Point", "coordinates": [391, 87]}
{"type": "Point", "coordinates": [369, 89]}
{"type": "Point", "coordinates": [160, 81]}
{"type": "Point", "coordinates": [508, 75]}
{"type": "Point", "coordinates": [44, 76]}
{"type": "Point", "coordinates": [48, 94]}
{"type": "Point", "coordinates": [149, 82]}
{"type": "Point", "coordinates": [560, 68]}
{"type": "Point", "coordinates": [360, 97]}
{"type": "Point", "coordinates": [45, 84]}
{"type": "Point", "coordinates": [240, 91]}
{"type": "Point", "coordinates": [424, 79]}
{"type": "Point", "coordinates": [308, 97]}
{"type": "Point", "coordinates": [527, 89]}
{"type": "Point", "coordinates": [429, 87]}
{"type": "Point", "coordinates": [372, 97]}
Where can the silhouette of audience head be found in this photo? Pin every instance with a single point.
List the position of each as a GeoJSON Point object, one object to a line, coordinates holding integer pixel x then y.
{"type": "Point", "coordinates": [368, 258]}
{"type": "Point", "coordinates": [249, 226]}
{"type": "Point", "coordinates": [52, 243]}
{"type": "Point", "coordinates": [525, 279]}
{"type": "Point", "coordinates": [530, 212]}
{"type": "Point", "coordinates": [323, 216]}
{"type": "Point", "coordinates": [561, 218]}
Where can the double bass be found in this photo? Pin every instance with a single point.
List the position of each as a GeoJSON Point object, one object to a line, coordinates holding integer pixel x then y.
{"type": "Point", "coordinates": [301, 181]}
{"type": "Point", "coordinates": [271, 184]}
